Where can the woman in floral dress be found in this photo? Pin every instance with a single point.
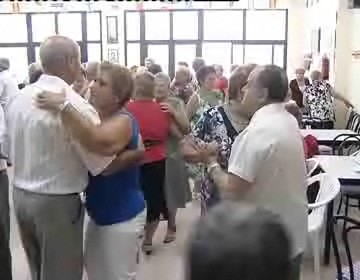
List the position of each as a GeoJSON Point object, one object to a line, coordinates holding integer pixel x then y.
{"type": "Point", "coordinates": [222, 124]}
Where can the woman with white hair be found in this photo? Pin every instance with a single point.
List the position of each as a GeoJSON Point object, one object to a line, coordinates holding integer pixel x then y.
{"type": "Point", "coordinates": [177, 187]}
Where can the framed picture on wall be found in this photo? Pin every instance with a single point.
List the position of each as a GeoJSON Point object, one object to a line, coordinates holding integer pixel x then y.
{"type": "Point", "coordinates": [112, 29]}
{"type": "Point", "coordinates": [113, 55]}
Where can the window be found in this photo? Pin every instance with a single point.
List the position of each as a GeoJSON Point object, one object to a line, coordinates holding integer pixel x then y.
{"type": "Point", "coordinates": [185, 25]}
{"type": "Point", "coordinates": [223, 25]}
{"type": "Point", "coordinates": [279, 55]}
{"type": "Point", "coordinates": [218, 53]}
{"type": "Point", "coordinates": [37, 54]}
{"type": "Point", "coordinates": [262, 4]}
{"type": "Point", "coordinates": [70, 25]}
{"type": "Point", "coordinates": [94, 52]}
{"type": "Point", "coordinates": [185, 53]}
{"type": "Point", "coordinates": [238, 54]}
{"type": "Point", "coordinates": [160, 53]}
{"type": "Point", "coordinates": [93, 26]}
{"type": "Point", "coordinates": [259, 54]}
{"type": "Point", "coordinates": [18, 29]}
{"type": "Point", "coordinates": [133, 26]}
{"type": "Point", "coordinates": [133, 54]}
{"type": "Point", "coordinates": [43, 26]}
{"type": "Point", "coordinates": [157, 26]}
{"type": "Point", "coordinates": [265, 25]}
{"type": "Point", "coordinates": [18, 61]}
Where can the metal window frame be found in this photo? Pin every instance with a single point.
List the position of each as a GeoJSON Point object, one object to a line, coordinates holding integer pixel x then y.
{"type": "Point", "coordinates": [171, 42]}
{"type": "Point", "coordinates": [31, 44]}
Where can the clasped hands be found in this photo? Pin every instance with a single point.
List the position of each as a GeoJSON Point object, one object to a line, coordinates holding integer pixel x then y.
{"type": "Point", "coordinates": [197, 151]}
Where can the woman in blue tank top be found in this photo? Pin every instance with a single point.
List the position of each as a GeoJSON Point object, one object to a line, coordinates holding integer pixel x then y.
{"type": "Point", "coordinates": [113, 199]}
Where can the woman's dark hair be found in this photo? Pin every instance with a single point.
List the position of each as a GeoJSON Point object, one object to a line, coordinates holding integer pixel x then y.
{"type": "Point", "coordinates": [238, 79]}
{"type": "Point", "coordinates": [203, 72]}
{"type": "Point", "coordinates": [235, 241]}
{"type": "Point", "coordinates": [122, 82]}
{"type": "Point", "coordinates": [154, 69]}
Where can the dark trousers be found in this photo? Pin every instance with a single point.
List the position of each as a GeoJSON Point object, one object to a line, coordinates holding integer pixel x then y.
{"type": "Point", "coordinates": [5, 255]}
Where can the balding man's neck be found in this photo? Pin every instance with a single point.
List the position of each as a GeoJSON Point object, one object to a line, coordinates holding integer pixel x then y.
{"type": "Point", "coordinates": [62, 75]}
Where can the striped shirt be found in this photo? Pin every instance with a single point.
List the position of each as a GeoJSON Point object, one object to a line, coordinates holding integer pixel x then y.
{"type": "Point", "coordinates": [45, 157]}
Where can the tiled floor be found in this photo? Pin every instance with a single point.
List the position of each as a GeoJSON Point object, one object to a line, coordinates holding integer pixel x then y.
{"type": "Point", "coordinates": [167, 262]}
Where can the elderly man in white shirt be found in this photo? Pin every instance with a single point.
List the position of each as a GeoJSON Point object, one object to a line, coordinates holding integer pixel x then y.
{"type": "Point", "coordinates": [267, 163]}
{"type": "Point", "coordinates": [51, 168]}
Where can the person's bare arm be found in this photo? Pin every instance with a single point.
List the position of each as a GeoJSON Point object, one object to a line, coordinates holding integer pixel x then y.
{"type": "Point", "coordinates": [127, 159]}
{"type": "Point", "coordinates": [230, 185]}
{"type": "Point", "coordinates": [107, 138]}
{"type": "Point", "coordinates": [178, 116]}
{"type": "Point", "coordinates": [192, 106]}
{"type": "Point", "coordinates": [341, 98]}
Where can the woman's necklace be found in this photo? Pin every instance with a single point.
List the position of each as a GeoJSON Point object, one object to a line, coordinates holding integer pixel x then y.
{"type": "Point", "coordinates": [237, 120]}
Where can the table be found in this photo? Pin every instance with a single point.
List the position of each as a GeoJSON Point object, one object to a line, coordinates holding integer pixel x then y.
{"type": "Point", "coordinates": [341, 167]}
{"type": "Point", "coordinates": [326, 136]}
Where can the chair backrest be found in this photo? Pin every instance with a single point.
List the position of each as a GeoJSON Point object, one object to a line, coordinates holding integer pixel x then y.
{"type": "Point", "coordinates": [349, 145]}
{"type": "Point", "coordinates": [329, 189]}
{"type": "Point", "coordinates": [311, 165]}
{"type": "Point", "coordinates": [353, 122]}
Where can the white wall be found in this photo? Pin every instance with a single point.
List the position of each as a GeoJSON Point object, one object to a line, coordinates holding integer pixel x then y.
{"type": "Point", "coordinates": [296, 32]}
{"type": "Point", "coordinates": [348, 40]}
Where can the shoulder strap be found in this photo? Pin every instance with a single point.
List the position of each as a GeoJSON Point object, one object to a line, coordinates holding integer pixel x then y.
{"type": "Point", "coordinates": [231, 131]}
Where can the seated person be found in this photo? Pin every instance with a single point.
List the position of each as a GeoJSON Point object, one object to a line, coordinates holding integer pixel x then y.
{"type": "Point", "coordinates": [311, 146]}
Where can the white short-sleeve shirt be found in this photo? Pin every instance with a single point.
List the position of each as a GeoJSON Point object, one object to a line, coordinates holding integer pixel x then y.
{"type": "Point", "coordinates": [46, 158]}
{"type": "Point", "coordinates": [269, 154]}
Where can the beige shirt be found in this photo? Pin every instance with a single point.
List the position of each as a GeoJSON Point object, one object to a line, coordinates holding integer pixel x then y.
{"type": "Point", "coordinates": [46, 158]}
{"type": "Point", "coordinates": [269, 154]}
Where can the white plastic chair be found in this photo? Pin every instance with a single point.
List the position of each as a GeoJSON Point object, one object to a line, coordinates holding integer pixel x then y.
{"type": "Point", "coordinates": [328, 190]}
{"type": "Point", "coordinates": [311, 165]}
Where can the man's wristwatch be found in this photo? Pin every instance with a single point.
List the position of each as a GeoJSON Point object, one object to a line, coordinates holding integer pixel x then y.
{"type": "Point", "coordinates": [64, 105]}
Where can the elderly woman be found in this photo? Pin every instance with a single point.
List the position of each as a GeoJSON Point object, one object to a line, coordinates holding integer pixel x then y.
{"type": "Point", "coordinates": [298, 86]}
{"type": "Point", "coordinates": [156, 125]}
{"type": "Point", "coordinates": [113, 199]}
{"type": "Point", "coordinates": [222, 124]}
{"type": "Point", "coordinates": [81, 84]}
{"type": "Point", "coordinates": [182, 86]}
{"type": "Point", "coordinates": [177, 187]}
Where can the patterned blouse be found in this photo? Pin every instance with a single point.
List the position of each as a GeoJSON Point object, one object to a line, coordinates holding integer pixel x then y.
{"type": "Point", "coordinates": [209, 128]}
{"type": "Point", "coordinates": [319, 101]}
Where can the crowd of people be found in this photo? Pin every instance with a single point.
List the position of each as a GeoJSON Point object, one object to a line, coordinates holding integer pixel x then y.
{"type": "Point", "coordinates": [125, 143]}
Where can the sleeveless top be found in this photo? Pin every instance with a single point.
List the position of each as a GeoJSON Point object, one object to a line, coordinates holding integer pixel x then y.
{"type": "Point", "coordinates": [117, 197]}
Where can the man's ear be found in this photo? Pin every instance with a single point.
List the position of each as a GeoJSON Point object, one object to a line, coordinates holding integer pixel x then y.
{"type": "Point", "coordinates": [263, 95]}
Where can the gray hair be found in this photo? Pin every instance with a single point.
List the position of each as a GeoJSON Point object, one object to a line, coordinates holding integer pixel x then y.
{"type": "Point", "coordinates": [55, 50]}
{"type": "Point", "coordinates": [315, 75]}
{"type": "Point", "coordinates": [163, 77]}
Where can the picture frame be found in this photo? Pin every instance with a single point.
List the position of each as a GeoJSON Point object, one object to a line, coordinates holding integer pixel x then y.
{"type": "Point", "coordinates": [113, 55]}
{"type": "Point", "coordinates": [112, 29]}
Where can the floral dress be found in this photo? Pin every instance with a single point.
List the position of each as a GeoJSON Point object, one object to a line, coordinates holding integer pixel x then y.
{"type": "Point", "coordinates": [211, 127]}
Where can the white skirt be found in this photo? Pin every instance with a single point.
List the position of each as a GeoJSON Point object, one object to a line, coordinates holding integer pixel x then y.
{"type": "Point", "coordinates": [112, 252]}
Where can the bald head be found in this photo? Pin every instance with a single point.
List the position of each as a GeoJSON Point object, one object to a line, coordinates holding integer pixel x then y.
{"type": "Point", "coordinates": [60, 56]}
